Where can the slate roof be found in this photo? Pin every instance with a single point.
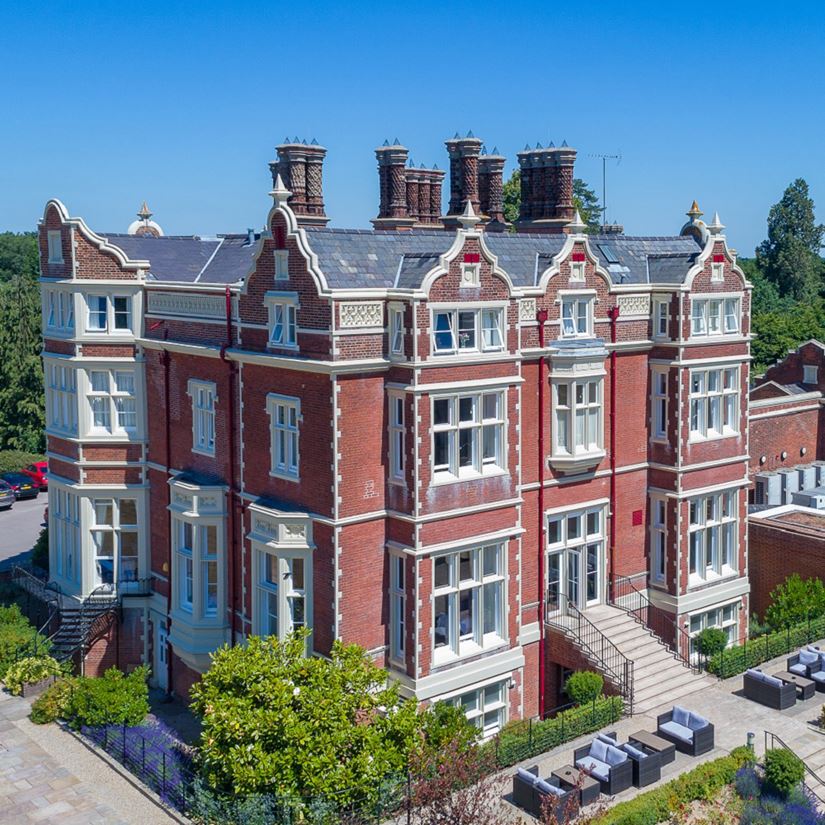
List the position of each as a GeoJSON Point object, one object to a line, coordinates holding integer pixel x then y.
{"type": "Point", "coordinates": [363, 258]}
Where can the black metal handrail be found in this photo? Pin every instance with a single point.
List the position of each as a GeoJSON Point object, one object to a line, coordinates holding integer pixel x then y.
{"type": "Point", "coordinates": [604, 653]}
{"type": "Point", "coordinates": [626, 596]}
{"type": "Point", "coordinates": [772, 738]}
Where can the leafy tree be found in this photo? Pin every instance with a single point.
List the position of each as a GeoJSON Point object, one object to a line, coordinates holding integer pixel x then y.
{"type": "Point", "coordinates": [790, 255]}
{"type": "Point", "coordinates": [584, 199]}
{"type": "Point", "coordinates": [796, 601]}
{"type": "Point", "coordinates": [712, 640]}
{"type": "Point", "coordinates": [276, 721]}
{"type": "Point", "coordinates": [18, 256]}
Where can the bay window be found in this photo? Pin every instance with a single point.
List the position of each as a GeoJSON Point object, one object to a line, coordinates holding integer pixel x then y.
{"type": "Point", "coordinates": [467, 330]}
{"type": "Point", "coordinates": [59, 311]}
{"type": "Point", "coordinates": [659, 403]}
{"type": "Point", "coordinates": [468, 435]}
{"type": "Point", "coordinates": [658, 539]}
{"type": "Point", "coordinates": [65, 533]}
{"type": "Point", "coordinates": [578, 416]}
{"type": "Point", "coordinates": [398, 606]}
{"type": "Point", "coordinates": [714, 403]}
{"type": "Point", "coordinates": [114, 533]}
{"type": "Point", "coordinates": [61, 398]}
{"type": "Point", "coordinates": [197, 545]}
{"type": "Point", "coordinates": [468, 600]}
{"type": "Point", "coordinates": [283, 590]}
{"type": "Point", "coordinates": [109, 313]}
{"type": "Point", "coordinates": [713, 532]}
{"type": "Point", "coordinates": [112, 403]}
{"type": "Point", "coordinates": [714, 316]}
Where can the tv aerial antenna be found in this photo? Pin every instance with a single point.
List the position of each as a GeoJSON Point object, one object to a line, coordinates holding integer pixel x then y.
{"type": "Point", "coordinates": [604, 158]}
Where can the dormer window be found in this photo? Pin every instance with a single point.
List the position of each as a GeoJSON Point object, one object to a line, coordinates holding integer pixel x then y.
{"type": "Point", "coordinates": [282, 319]}
{"type": "Point", "coordinates": [281, 264]}
{"type": "Point", "coordinates": [810, 374]}
{"type": "Point", "coordinates": [55, 240]}
{"type": "Point", "coordinates": [577, 316]}
{"type": "Point", "coordinates": [457, 330]}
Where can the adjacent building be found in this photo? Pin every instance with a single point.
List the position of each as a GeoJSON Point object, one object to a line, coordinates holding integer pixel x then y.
{"type": "Point", "coordinates": [430, 438]}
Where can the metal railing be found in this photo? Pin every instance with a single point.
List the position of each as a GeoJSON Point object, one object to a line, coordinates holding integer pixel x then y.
{"type": "Point", "coordinates": [612, 663]}
{"type": "Point", "coordinates": [625, 595]}
{"type": "Point", "coordinates": [770, 744]}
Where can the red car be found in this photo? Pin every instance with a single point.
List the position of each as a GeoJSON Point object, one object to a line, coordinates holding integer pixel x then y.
{"type": "Point", "coordinates": [39, 471]}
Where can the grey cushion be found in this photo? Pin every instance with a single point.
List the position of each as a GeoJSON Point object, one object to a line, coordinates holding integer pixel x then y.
{"type": "Point", "coordinates": [599, 769]}
{"type": "Point", "coordinates": [819, 676]}
{"type": "Point", "coordinates": [680, 715]}
{"type": "Point", "coordinates": [529, 778]}
{"type": "Point", "coordinates": [769, 680]}
{"type": "Point", "coordinates": [799, 669]}
{"type": "Point", "coordinates": [610, 740]}
{"type": "Point", "coordinates": [615, 756]}
{"type": "Point", "coordinates": [546, 787]}
{"type": "Point", "coordinates": [598, 750]}
{"type": "Point", "coordinates": [756, 674]}
{"type": "Point", "coordinates": [697, 722]}
{"type": "Point", "coordinates": [634, 752]}
{"type": "Point", "coordinates": [807, 657]}
{"type": "Point", "coordinates": [679, 731]}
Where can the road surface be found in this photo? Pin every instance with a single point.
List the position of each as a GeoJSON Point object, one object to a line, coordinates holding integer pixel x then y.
{"type": "Point", "coordinates": [20, 527]}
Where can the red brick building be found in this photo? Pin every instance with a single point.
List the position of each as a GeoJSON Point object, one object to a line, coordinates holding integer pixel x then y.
{"type": "Point", "coordinates": [391, 436]}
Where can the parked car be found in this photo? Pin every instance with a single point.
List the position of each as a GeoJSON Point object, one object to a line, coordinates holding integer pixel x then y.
{"type": "Point", "coordinates": [6, 496]}
{"type": "Point", "coordinates": [24, 486]}
{"type": "Point", "coordinates": [39, 471]}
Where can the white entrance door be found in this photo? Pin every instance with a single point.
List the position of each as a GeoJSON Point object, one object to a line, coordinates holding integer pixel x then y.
{"type": "Point", "coordinates": [161, 655]}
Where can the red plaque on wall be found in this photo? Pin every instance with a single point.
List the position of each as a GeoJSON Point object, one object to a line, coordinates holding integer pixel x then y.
{"type": "Point", "coordinates": [638, 518]}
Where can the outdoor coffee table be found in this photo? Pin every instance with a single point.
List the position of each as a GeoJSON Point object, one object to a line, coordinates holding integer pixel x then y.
{"type": "Point", "coordinates": [591, 788]}
{"type": "Point", "coordinates": [667, 750]}
{"type": "Point", "coordinates": [807, 687]}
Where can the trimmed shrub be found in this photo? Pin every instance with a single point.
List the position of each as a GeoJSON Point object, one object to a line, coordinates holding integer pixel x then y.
{"type": "Point", "coordinates": [112, 699]}
{"type": "Point", "coordinates": [18, 638]}
{"type": "Point", "coordinates": [796, 600]}
{"type": "Point", "coordinates": [739, 658]}
{"type": "Point", "coordinates": [53, 703]}
{"type": "Point", "coordinates": [712, 640]}
{"type": "Point", "coordinates": [702, 783]}
{"type": "Point", "coordinates": [784, 770]}
{"type": "Point", "coordinates": [30, 671]}
{"type": "Point", "coordinates": [13, 460]}
{"type": "Point", "coordinates": [584, 686]}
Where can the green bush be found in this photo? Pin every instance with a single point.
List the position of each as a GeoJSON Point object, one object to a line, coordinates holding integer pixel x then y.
{"type": "Point", "coordinates": [738, 658]}
{"type": "Point", "coordinates": [712, 640]}
{"type": "Point", "coordinates": [53, 703]}
{"type": "Point", "coordinates": [796, 601]}
{"type": "Point", "coordinates": [12, 460]}
{"type": "Point", "coordinates": [702, 783]}
{"type": "Point", "coordinates": [18, 638]}
{"type": "Point", "coordinates": [523, 739]}
{"type": "Point", "coordinates": [784, 770]}
{"type": "Point", "coordinates": [29, 671]}
{"type": "Point", "coordinates": [584, 686]}
{"type": "Point", "coordinates": [40, 551]}
{"type": "Point", "coordinates": [111, 699]}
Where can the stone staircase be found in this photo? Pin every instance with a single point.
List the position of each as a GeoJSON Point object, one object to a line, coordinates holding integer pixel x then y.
{"type": "Point", "coordinates": [659, 678]}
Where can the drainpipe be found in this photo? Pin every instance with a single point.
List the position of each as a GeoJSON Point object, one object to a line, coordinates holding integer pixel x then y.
{"type": "Point", "coordinates": [613, 315]}
{"type": "Point", "coordinates": [168, 463]}
{"type": "Point", "coordinates": [541, 318]}
{"type": "Point", "coordinates": [230, 496]}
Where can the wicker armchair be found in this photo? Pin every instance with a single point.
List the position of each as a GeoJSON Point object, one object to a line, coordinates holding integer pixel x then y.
{"type": "Point", "coordinates": [691, 733]}
{"type": "Point", "coordinates": [614, 777]}
{"type": "Point", "coordinates": [529, 791]}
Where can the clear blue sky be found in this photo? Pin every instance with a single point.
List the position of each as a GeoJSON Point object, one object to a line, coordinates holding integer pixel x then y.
{"type": "Point", "coordinates": [105, 105]}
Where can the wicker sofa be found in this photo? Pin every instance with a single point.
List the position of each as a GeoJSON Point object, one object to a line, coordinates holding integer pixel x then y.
{"type": "Point", "coordinates": [809, 662]}
{"type": "Point", "coordinates": [767, 690]}
{"type": "Point", "coordinates": [529, 792]}
{"type": "Point", "coordinates": [691, 733]}
{"type": "Point", "coordinates": [606, 762]}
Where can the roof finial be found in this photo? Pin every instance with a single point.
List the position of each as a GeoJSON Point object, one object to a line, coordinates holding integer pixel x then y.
{"type": "Point", "coordinates": [145, 212]}
{"type": "Point", "coordinates": [280, 193]}
{"type": "Point", "coordinates": [468, 219]}
{"type": "Point", "coordinates": [694, 212]}
{"type": "Point", "coordinates": [577, 226]}
{"type": "Point", "coordinates": [716, 227]}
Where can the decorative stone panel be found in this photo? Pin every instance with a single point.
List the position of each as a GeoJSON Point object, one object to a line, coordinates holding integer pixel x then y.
{"type": "Point", "coordinates": [527, 309]}
{"type": "Point", "coordinates": [189, 306]}
{"type": "Point", "coordinates": [357, 314]}
{"type": "Point", "coordinates": [634, 306]}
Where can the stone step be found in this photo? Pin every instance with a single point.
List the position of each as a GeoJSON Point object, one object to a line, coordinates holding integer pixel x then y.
{"type": "Point", "coordinates": [674, 696]}
{"type": "Point", "coordinates": [610, 624]}
{"type": "Point", "coordinates": [658, 670]}
{"type": "Point", "coordinates": [658, 691]}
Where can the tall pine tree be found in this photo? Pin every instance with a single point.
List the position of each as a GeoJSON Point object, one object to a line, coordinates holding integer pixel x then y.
{"type": "Point", "coordinates": [790, 256]}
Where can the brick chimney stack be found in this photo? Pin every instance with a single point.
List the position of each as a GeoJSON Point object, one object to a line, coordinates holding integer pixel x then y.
{"type": "Point", "coordinates": [393, 210]}
{"type": "Point", "coordinates": [424, 195]}
{"type": "Point", "coordinates": [300, 165]}
{"type": "Point", "coordinates": [491, 190]}
{"type": "Point", "coordinates": [546, 188]}
{"type": "Point", "coordinates": [464, 155]}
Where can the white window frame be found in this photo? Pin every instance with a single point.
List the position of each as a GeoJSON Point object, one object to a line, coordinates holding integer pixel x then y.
{"type": "Point", "coordinates": [456, 635]}
{"type": "Point", "coordinates": [715, 316]}
{"type": "Point", "coordinates": [397, 436]}
{"type": "Point", "coordinates": [61, 398]}
{"type": "Point", "coordinates": [725, 617]}
{"type": "Point", "coordinates": [118, 527]}
{"type": "Point", "coordinates": [810, 374]}
{"type": "Point", "coordinates": [470, 274]}
{"type": "Point", "coordinates": [468, 330]}
{"type": "Point", "coordinates": [480, 432]}
{"type": "Point", "coordinates": [59, 311]}
{"type": "Point", "coordinates": [661, 318]}
{"type": "Point", "coordinates": [54, 240]}
{"type": "Point", "coordinates": [713, 535]}
{"type": "Point", "coordinates": [285, 429]}
{"type": "Point", "coordinates": [658, 539]}
{"type": "Point", "coordinates": [397, 330]}
{"type": "Point", "coordinates": [198, 568]}
{"type": "Point", "coordinates": [569, 407]}
{"type": "Point", "coordinates": [287, 596]}
{"type": "Point", "coordinates": [116, 404]}
{"type": "Point", "coordinates": [64, 532]}
{"type": "Point", "coordinates": [576, 315]}
{"type": "Point", "coordinates": [282, 309]}
{"type": "Point", "coordinates": [577, 271]}
{"type": "Point", "coordinates": [485, 707]}
{"type": "Point", "coordinates": [659, 392]}
{"type": "Point", "coordinates": [281, 264]}
{"type": "Point", "coordinates": [111, 314]}
{"type": "Point", "coordinates": [714, 397]}
{"type": "Point", "coordinates": [398, 607]}
{"type": "Point", "coordinates": [717, 271]}
{"type": "Point", "coordinates": [204, 397]}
